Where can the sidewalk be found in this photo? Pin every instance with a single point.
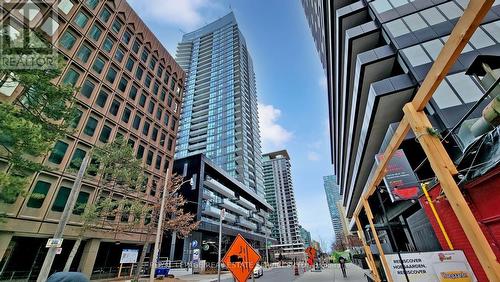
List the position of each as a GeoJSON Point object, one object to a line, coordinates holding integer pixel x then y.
{"type": "Point", "coordinates": [333, 273]}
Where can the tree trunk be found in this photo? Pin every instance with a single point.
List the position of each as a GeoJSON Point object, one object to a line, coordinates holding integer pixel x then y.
{"type": "Point", "coordinates": [141, 261]}
{"type": "Point", "coordinates": [72, 254]}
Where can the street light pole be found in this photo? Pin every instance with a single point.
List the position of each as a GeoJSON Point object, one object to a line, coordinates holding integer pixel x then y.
{"type": "Point", "coordinates": [221, 217]}
{"type": "Point", "coordinates": [68, 209]}
{"type": "Point", "coordinates": [154, 261]}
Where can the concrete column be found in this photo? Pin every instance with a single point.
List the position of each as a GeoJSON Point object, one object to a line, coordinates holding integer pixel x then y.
{"type": "Point", "coordinates": [5, 238]}
{"type": "Point", "coordinates": [88, 257]}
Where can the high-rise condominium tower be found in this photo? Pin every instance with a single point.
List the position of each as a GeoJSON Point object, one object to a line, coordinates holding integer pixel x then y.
{"type": "Point", "coordinates": [219, 115]}
{"type": "Point", "coordinates": [332, 197]}
{"type": "Point", "coordinates": [280, 195]}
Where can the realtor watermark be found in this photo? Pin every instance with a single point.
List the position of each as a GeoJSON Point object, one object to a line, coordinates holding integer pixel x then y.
{"type": "Point", "coordinates": [27, 35]}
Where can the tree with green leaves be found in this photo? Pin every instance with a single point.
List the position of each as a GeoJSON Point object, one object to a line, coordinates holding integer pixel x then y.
{"type": "Point", "coordinates": [29, 126]}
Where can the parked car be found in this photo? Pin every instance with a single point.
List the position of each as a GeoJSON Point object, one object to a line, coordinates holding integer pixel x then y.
{"type": "Point", "coordinates": [258, 271]}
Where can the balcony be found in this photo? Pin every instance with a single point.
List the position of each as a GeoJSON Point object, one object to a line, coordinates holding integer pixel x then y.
{"type": "Point", "coordinates": [230, 218]}
{"type": "Point", "coordinates": [257, 218]}
{"type": "Point", "coordinates": [226, 203]}
{"type": "Point", "coordinates": [208, 195]}
{"type": "Point", "coordinates": [211, 211]}
{"type": "Point", "coordinates": [246, 203]}
{"type": "Point", "coordinates": [269, 224]}
{"type": "Point", "coordinates": [245, 223]}
{"type": "Point", "coordinates": [264, 214]}
{"type": "Point", "coordinates": [219, 188]}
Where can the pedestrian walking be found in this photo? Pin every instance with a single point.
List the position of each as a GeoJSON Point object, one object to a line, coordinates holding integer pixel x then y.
{"type": "Point", "coordinates": [342, 266]}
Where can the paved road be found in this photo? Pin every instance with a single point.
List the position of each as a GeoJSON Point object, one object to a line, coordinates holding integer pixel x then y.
{"type": "Point", "coordinates": [274, 275]}
{"type": "Point", "coordinates": [334, 274]}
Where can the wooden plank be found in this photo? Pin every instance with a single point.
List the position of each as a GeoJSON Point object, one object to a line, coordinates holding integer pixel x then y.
{"type": "Point", "coordinates": [394, 144]}
{"type": "Point", "coordinates": [450, 52]}
{"type": "Point", "coordinates": [369, 215]}
{"type": "Point", "coordinates": [435, 151]}
{"type": "Point", "coordinates": [368, 251]}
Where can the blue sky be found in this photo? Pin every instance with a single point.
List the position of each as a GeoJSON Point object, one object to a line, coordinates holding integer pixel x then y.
{"type": "Point", "coordinates": [290, 84]}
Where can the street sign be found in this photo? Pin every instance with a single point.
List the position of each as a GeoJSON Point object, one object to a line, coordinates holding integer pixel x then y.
{"type": "Point", "coordinates": [194, 244]}
{"type": "Point", "coordinates": [54, 243]}
{"type": "Point", "coordinates": [129, 256]}
{"type": "Point", "coordinates": [196, 255]}
{"type": "Point", "coordinates": [241, 259]}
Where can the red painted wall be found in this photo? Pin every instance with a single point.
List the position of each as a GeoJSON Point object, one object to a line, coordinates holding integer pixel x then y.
{"type": "Point", "coordinates": [483, 197]}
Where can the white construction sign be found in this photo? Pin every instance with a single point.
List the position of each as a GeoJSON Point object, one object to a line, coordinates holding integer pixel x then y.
{"type": "Point", "coordinates": [445, 266]}
{"type": "Point", "coordinates": [129, 256]}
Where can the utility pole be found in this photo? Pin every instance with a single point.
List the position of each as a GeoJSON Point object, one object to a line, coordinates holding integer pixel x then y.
{"type": "Point", "coordinates": [68, 209]}
{"type": "Point", "coordinates": [154, 259]}
{"type": "Point", "coordinates": [221, 217]}
{"type": "Point", "coordinates": [267, 253]}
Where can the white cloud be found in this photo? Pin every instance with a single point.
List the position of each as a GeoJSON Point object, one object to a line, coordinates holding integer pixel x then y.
{"type": "Point", "coordinates": [313, 156]}
{"type": "Point", "coordinates": [273, 135]}
{"type": "Point", "coordinates": [185, 14]}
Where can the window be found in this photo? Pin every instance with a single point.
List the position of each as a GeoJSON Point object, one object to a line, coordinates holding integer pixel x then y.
{"type": "Point", "coordinates": [90, 126]}
{"type": "Point", "coordinates": [111, 75]}
{"type": "Point", "coordinates": [136, 46]}
{"type": "Point", "coordinates": [166, 165]}
{"type": "Point", "coordinates": [142, 100]}
{"type": "Point", "coordinates": [81, 201]}
{"type": "Point", "coordinates": [170, 100]}
{"type": "Point", "coordinates": [65, 6]}
{"type": "Point", "coordinates": [145, 55]}
{"type": "Point", "coordinates": [84, 53]}
{"type": "Point", "coordinates": [163, 94]}
{"type": "Point", "coordinates": [397, 28]}
{"type": "Point", "coordinates": [149, 158]}
{"type": "Point", "coordinates": [105, 133]}
{"type": "Point", "coordinates": [105, 15]}
{"type": "Point", "coordinates": [58, 152]}
{"type": "Point", "coordinates": [450, 10]}
{"type": "Point", "coordinates": [165, 79]}
{"type": "Point", "coordinates": [159, 72]}
{"type": "Point", "coordinates": [480, 39]}
{"type": "Point", "coordinates": [154, 134]}
{"type": "Point", "coordinates": [416, 55]}
{"type": "Point", "coordinates": [81, 19]}
{"type": "Point", "coordinates": [172, 84]}
{"type": "Point", "coordinates": [38, 195]}
{"type": "Point", "coordinates": [415, 22]}
{"type": "Point", "coordinates": [71, 77]}
{"type": "Point", "coordinates": [432, 16]}
{"type": "Point", "coordinates": [159, 112]}
{"type": "Point", "coordinates": [147, 217]}
{"type": "Point", "coordinates": [147, 81]}
{"type": "Point", "coordinates": [131, 142]}
{"type": "Point", "coordinates": [61, 199]}
{"type": "Point", "coordinates": [117, 25]}
{"type": "Point", "coordinates": [173, 123]}
{"type": "Point", "coordinates": [119, 54]}
{"type": "Point", "coordinates": [140, 152]}
{"type": "Point", "coordinates": [101, 99]}
{"type": "Point", "coordinates": [445, 97]}
{"type": "Point", "coordinates": [98, 65]}
{"type": "Point", "coordinates": [125, 212]}
{"type": "Point", "coordinates": [50, 26]}
{"type": "Point", "coordinates": [77, 159]}
{"type": "Point", "coordinates": [156, 88]}
{"type": "Point", "coordinates": [130, 64]}
{"type": "Point", "coordinates": [152, 63]}
{"type": "Point", "coordinates": [87, 88]}
{"type": "Point", "coordinates": [92, 3]}
{"type": "Point", "coordinates": [170, 143]}
{"type": "Point", "coordinates": [145, 128]}
{"type": "Point", "coordinates": [137, 122]}
{"type": "Point", "coordinates": [123, 84]}
{"type": "Point", "coordinates": [133, 92]}
{"type": "Point", "coordinates": [166, 118]}
{"type": "Point", "coordinates": [76, 119]}
{"type": "Point", "coordinates": [139, 72]}
{"type": "Point", "coordinates": [465, 87]}
{"type": "Point", "coordinates": [127, 35]}
{"type": "Point", "coordinates": [433, 47]}
{"type": "Point", "coordinates": [95, 32]}
{"type": "Point", "coordinates": [158, 162]}
{"type": "Point", "coordinates": [67, 40]}
{"type": "Point", "coordinates": [151, 107]}
{"type": "Point", "coordinates": [126, 115]}
{"type": "Point", "coordinates": [493, 29]}
{"type": "Point", "coordinates": [115, 106]}
{"type": "Point", "coordinates": [108, 44]}
{"type": "Point", "coordinates": [162, 139]}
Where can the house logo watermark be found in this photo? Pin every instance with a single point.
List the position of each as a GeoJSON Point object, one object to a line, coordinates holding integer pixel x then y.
{"type": "Point", "coordinates": [27, 29]}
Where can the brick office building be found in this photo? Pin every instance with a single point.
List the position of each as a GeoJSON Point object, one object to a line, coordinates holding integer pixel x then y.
{"type": "Point", "coordinates": [130, 87]}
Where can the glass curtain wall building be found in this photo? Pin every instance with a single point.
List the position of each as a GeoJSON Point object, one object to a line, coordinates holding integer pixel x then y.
{"type": "Point", "coordinates": [219, 114]}
{"type": "Point", "coordinates": [332, 197]}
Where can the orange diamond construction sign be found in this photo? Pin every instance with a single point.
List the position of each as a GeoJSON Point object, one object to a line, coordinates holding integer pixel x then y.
{"type": "Point", "coordinates": [241, 259]}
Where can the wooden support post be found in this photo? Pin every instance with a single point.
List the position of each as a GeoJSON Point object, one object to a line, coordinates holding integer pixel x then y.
{"type": "Point", "coordinates": [440, 163]}
{"type": "Point", "coordinates": [368, 251]}
{"type": "Point", "coordinates": [369, 215]}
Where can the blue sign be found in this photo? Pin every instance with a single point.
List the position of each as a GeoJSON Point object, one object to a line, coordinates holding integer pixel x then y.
{"type": "Point", "coordinates": [194, 244]}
